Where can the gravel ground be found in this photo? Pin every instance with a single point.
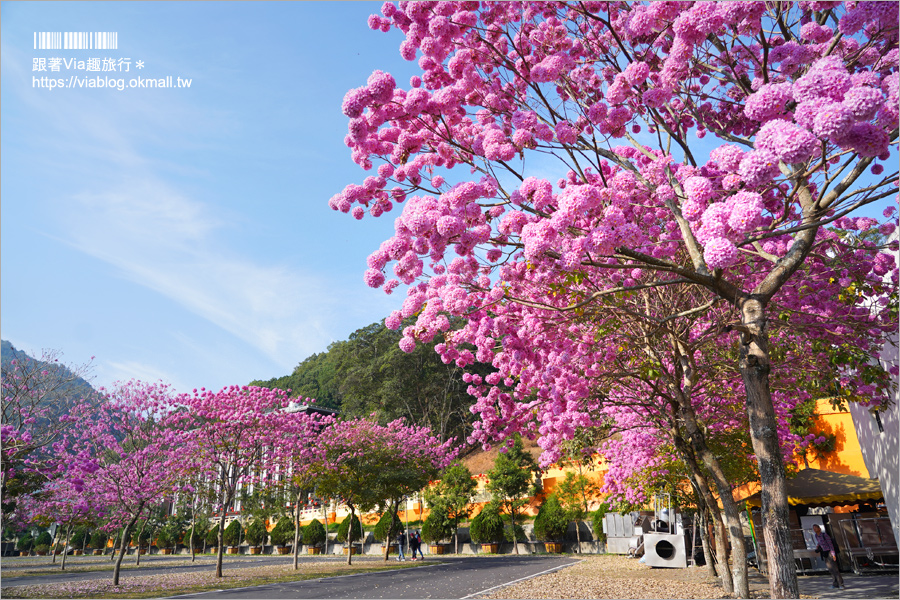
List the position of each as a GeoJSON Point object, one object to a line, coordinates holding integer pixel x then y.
{"type": "Point", "coordinates": [611, 576]}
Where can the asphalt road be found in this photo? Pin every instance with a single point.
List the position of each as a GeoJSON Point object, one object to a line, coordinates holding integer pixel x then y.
{"type": "Point", "coordinates": [456, 578]}
{"type": "Point", "coordinates": [451, 577]}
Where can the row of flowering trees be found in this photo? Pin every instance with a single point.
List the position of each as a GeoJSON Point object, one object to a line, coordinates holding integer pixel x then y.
{"type": "Point", "coordinates": [142, 444]}
{"type": "Point", "coordinates": [656, 218]}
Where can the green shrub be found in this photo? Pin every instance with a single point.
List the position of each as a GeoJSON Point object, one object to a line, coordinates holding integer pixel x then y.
{"type": "Point", "coordinates": [212, 536]}
{"type": "Point", "coordinates": [382, 528]}
{"type": "Point", "coordinates": [99, 540]}
{"type": "Point", "coordinates": [142, 532]}
{"type": "Point", "coordinates": [551, 522]}
{"type": "Point", "coordinates": [26, 542]}
{"type": "Point", "coordinates": [45, 548]}
{"type": "Point", "coordinates": [437, 526]}
{"type": "Point", "coordinates": [256, 533]}
{"type": "Point", "coordinates": [79, 537]}
{"type": "Point", "coordinates": [198, 532]}
{"type": "Point", "coordinates": [314, 533]}
{"type": "Point", "coordinates": [170, 534]}
{"type": "Point", "coordinates": [597, 522]}
{"type": "Point", "coordinates": [44, 539]}
{"type": "Point", "coordinates": [233, 533]}
{"type": "Point", "coordinates": [349, 532]}
{"type": "Point", "coordinates": [283, 532]}
{"type": "Point", "coordinates": [521, 536]}
{"type": "Point", "coordinates": [487, 526]}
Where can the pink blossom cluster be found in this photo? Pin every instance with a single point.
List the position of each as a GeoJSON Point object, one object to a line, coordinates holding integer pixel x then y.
{"type": "Point", "coordinates": [527, 261]}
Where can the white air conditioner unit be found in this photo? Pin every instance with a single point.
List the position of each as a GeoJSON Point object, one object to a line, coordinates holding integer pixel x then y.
{"type": "Point", "coordinates": [664, 550]}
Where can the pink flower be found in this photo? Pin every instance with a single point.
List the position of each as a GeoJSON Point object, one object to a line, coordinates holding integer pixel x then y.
{"type": "Point", "coordinates": [863, 102]}
{"type": "Point", "coordinates": [769, 102]}
{"type": "Point", "coordinates": [786, 141]}
{"type": "Point", "coordinates": [758, 167]}
{"type": "Point", "coordinates": [720, 253]}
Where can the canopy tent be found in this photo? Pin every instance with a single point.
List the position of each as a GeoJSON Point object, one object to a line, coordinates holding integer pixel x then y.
{"type": "Point", "coordinates": [817, 487]}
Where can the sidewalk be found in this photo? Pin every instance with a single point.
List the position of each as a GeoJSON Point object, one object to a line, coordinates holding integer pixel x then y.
{"type": "Point", "coordinates": [819, 586]}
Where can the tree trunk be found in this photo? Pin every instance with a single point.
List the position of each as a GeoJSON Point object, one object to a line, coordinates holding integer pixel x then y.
{"type": "Point", "coordinates": [220, 554]}
{"type": "Point", "coordinates": [193, 529]}
{"type": "Point", "coordinates": [392, 509]}
{"type": "Point", "coordinates": [704, 542]}
{"type": "Point", "coordinates": [140, 542]}
{"type": "Point", "coordinates": [66, 547]}
{"type": "Point", "coordinates": [112, 555]}
{"type": "Point", "coordinates": [297, 532]}
{"type": "Point", "coordinates": [350, 536]}
{"type": "Point", "coordinates": [512, 517]}
{"type": "Point", "coordinates": [122, 547]}
{"type": "Point", "coordinates": [731, 513]}
{"type": "Point", "coordinates": [755, 366]}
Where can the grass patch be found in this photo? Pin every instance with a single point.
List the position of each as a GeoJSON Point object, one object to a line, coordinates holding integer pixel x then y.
{"type": "Point", "coordinates": [171, 584]}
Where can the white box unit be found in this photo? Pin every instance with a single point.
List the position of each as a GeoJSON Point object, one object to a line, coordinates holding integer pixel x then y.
{"type": "Point", "coordinates": [664, 550]}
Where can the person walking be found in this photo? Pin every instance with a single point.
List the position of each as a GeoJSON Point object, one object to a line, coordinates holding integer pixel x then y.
{"type": "Point", "coordinates": [825, 548]}
{"type": "Point", "coordinates": [401, 543]}
{"type": "Point", "coordinates": [415, 542]}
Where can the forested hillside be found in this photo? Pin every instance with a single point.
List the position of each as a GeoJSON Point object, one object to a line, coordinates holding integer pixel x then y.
{"type": "Point", "coordinates": [368, 373]}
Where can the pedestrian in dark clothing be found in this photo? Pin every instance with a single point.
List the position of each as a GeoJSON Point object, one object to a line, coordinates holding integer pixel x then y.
{"type": "Point", "coordinates": [401, 543]}
{"type": "Point", "coordinates": [825, 548]}
{"type": "Point", "coordinates": [415, 542]}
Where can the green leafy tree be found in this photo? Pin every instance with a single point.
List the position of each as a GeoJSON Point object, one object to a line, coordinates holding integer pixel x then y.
{"type": "Point", "coordinates": [212, 536]}
{"type": "Point", "coordinates": [487, 526]}
{"type": "Point", "coordinates": [233, 533]}
{"type": "Point", "coordinates": [573, 494]}
{"type": "Point", "coordinates": [283, 532]}
{"type": "Point", "coordinates": [387, 524]}
{"type": "Point", "coordinates": [349, 530]}
{"type": "Point", "coordinates": [256, 533]}
{"type": "Point", "coordinates": [438, 526]}
{"type": "Point", "coordinates": [80, 537]}
{"type": "Point", "coordinates": [171, 533]}
{"type": "Point", "coordinates": [314, 533]}
{"type": "Point", "coordinates": [454, 491]}
{"type": "Point", "coordinates": [99, 539]}
{"type": "Point", "coordinates": [597, 521]}
{"type": "Point", "coordinates": [26, 542]}
{"type": "Point", "coordinates": [552, 520]}
{"type": "Point", "coordinates": [197, 534]}
{"type": "Point", "coordinates": [513, 480]}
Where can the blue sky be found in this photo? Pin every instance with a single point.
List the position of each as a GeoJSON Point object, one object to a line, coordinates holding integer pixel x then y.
{"type": "Point", "coordinates": [184, 234]}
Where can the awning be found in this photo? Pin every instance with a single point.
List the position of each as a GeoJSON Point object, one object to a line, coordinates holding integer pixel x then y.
{"type": "Point", "coordinates": [816, 487]}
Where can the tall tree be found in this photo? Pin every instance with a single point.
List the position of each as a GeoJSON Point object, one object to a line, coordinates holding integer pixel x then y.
{"type": "Point", "coordinates": [454, 491]}
{"type": "Point", "coordinates": [796, 107]}
{"type": "Point", "coordinates": [514, 478]}
{"type": "Point", "coordinates": [233, 435]}
{"type": "Point", "coordinates": [369, 465]}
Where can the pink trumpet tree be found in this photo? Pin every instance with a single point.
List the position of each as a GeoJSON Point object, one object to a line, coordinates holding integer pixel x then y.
{"type": "Point", "coordinates": [234, 435]}
{"type": "Point", "coordinates": [129, 457]}
{"type": "Point", "coordinates": [368, 465]}
{"type": "Point", "coordinates": [729, 147]}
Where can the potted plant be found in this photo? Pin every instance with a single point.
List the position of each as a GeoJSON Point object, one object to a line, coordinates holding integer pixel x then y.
{"type": "Point", "coordinates": [42, 543]}
{"type": "Point", "coordinates": [212, 538]}
{"type": "Point", "coordinates": [232, 536]}
{"type": "Point", "coordinates": [437, 528]}
{"type": "Point", "coordinates": [551, 524]}
{"type": "Point", "coordinates": [168, 535]}
{"type": "Point", "coordinates": [79, 540]}
{"type": "Point", "coordinates": [283, 534]}
{"type": "Point", "coordinates": [382, 529]}
{"type": "Point", "coordinates": [314, 536]}
{"type": "Point", "coordinates": [348, 532]}
{"type": "Point", "coordinates": [487, 528]}
{"type": "Point", "coordinates": [257, 535]}
{"type": "Point", "coordinates": [25, 544]}
{"type": "Point", "coordinates": [99, 540]}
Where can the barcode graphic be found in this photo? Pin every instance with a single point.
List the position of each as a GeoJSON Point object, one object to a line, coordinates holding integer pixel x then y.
{"type": "Point", "coordinates": [76, 40]}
